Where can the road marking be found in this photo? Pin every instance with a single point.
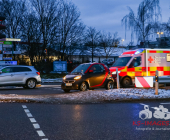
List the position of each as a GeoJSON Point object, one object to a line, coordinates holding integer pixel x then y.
{"type": "Point", "coordinates": [24, 106]}
{"type": "Point", "coordinates": [40, 133]}
{"type": "Point", "coordinates": [26, 110]}
{"type": "Point", "coordinates": [36, 125]}
{"type": "Point", "coordinates": [32, 120]}
{"type": "Point", "coordinates": [29, 115]}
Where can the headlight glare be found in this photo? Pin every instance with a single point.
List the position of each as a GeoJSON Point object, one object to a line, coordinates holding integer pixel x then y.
{"type": "Point", "coordinates": [77, 77]}
{"type": "Point", "coordinates": [115, 72]}
{"type": "Point", "coordinates": [64, 78]}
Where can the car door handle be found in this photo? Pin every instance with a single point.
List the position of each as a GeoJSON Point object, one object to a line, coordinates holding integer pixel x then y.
{"type": "Point", "coordinates": [12, 75]}
{"type": "Point", "coordinates": [26, 73]}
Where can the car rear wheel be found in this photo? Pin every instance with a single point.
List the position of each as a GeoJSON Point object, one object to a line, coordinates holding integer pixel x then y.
{"type": "Point", "coordinates": [66, 90]}
{"type": "Point", "coordinates": [126, 82]}
{"type": "Point", "coordinates": [31, 84]}
{"type": "Point", "coordinates": [83, 86]}
{"type": "Point", "coordinates": [110, 85]}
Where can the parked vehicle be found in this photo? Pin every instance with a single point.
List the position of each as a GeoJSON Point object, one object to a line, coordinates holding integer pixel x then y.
{"type": "Point", "coordinates": [141, 62]}
{"type": "Point", "coordinates": [108, 61]}
{"type": "Point", "coordinates": [88, 76]}
{"type": "Point", "coordinates": [26, 76]}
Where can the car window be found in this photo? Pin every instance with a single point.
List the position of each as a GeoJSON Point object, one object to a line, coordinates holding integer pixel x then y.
{"type": "Point", "coordinates": [136, 62]}
{"type": "Point", "coordinates": [96, 68]}
{"type": "Point", "coordinates": [121, 61]}
{"type": "Point", "coordinates": [102, 68]}
{"type": "Point", "coordinates": [80, 69]}
{"type": "Point", "coordinates": [7, 70]}
{"type": "Point", "coordinates": [21, 69]}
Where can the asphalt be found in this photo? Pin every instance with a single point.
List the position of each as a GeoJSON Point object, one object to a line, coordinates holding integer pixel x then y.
{"type": "Point", "coordinates": [45, 89]}
{"type": "Point", "coordinates": [79, 122]}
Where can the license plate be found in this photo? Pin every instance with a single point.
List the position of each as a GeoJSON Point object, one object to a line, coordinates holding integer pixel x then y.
{"type": "Point", "coordinates": [68, 84]}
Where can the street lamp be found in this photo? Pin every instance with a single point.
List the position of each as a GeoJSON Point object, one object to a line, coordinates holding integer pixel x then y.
{"type": "Point", "coordinates": [160, 33]}
{"type": "Point", "coordinates": [122, 41]}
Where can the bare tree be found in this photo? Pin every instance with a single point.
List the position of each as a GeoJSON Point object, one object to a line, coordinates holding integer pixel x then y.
{"type": "Point", "coordinates": [32, 35]}
{"type": "Point", "coordinates": [145, 23]}
{"type": "Point", "coordinates": [108, 42]}
{"type": "Point", "coordinates": [92, 39]}
{"type": "Point", "coordinates": [48, 13]}
{"type": "Point", "coordinates": [70, 27]}
{"type": "Point", "coordinates": [13, 10]}
{"type": "Point", "coordinates": [166, 27]}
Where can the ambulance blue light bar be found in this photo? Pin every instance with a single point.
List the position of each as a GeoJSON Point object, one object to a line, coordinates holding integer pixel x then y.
{"type": "Point", "coordinates": [139, 51]}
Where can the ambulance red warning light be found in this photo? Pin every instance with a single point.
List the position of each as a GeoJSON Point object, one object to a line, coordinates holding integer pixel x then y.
{"type": "Point", "coordinates": [144, 82]}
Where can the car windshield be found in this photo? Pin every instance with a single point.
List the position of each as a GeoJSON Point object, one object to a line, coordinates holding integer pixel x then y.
{"type": "Point", "coordinates": [121, 61]}
{"type": "Point", "coordinates": [80, 69]}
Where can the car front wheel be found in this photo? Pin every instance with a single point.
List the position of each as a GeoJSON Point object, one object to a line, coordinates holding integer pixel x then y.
{"type": "Point", "coordinates": [83, 86]}
{"type": "Point", "coordinates": [110, 85]}
{"type": "Point", "coordinates": [31, 84]}
{"type": "Point", "coordinates": [126, 82]}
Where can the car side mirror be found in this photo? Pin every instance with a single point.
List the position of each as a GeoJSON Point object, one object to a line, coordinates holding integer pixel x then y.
{"type": "Point", "coordinates": [91, 71]}
{"type": "Point", "coordinates": [0, 72]}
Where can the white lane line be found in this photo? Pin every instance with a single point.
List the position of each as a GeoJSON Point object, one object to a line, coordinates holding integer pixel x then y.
{"type": "Point", "coordinates": [32, 120]}
{"type": "Point", "coordinates": [36, 125]}
{"type": "Point", "coordinates": [26, 110]}
{"type": "Point", "coordinates": [40, 133]}
{"type": "Point", "coordinates": [24, 106]}
{"type": "Point", "coordinates": [29, 115]}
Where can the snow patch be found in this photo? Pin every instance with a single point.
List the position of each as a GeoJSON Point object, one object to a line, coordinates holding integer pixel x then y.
{"type": "Point", "coordinates": [90, 96]}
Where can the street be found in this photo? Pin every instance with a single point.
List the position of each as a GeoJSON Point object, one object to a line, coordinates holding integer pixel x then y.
{"type": "Point", "coordinates": [77, 121]}
{"type": "Point", "coordinates": [46, 88]}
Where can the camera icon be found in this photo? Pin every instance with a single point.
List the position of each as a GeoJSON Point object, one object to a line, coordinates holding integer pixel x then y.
{"type": "Point", "coordinates": [146, 113]}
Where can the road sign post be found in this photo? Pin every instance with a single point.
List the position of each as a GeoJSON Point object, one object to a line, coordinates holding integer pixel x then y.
{"type": "Point", "coordinates": [118, 84]}
{"type": "Point", "coordinates": [156, 83]}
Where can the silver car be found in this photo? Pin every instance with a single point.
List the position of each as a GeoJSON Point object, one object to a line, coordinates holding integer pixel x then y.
{"type": "Point", "coordinates": [18, 75]}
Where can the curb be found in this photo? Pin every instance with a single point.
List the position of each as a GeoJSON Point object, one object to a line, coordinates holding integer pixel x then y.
{"type": "Point", "coordinates": [55, 100]}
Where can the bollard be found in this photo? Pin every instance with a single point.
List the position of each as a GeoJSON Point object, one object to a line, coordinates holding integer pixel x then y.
{"type": "Point", "coordinates": [156, 83]}
{"type": "Point", "coordinates": [118, 86]}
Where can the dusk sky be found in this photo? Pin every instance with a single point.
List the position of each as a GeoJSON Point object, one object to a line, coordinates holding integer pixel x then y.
{"type": "Point", "coordinates": [106, 15]}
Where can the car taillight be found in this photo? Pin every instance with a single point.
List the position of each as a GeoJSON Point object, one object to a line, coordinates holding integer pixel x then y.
{"type": "Point", "coordinates": [38, 73]}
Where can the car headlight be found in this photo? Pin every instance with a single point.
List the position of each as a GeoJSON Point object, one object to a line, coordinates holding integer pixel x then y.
{"type": "Point", "coordinates": [64, 78]}
{"type": "Point", "coordinates": [115, 72]}
{"type": "Point", "coordinates": [77, 77]}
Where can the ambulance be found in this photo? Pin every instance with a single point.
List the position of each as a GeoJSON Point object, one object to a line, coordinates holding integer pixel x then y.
{"type": "Point", "coordinates": [141, 62]}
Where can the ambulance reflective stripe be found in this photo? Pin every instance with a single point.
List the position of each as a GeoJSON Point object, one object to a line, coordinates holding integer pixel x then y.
{"type": "Point", "coordinates": [158, 51]}
{"type": "Point", "coordinates": [143, 81]}
{"type": "Point", "coordinates": [141, 71]}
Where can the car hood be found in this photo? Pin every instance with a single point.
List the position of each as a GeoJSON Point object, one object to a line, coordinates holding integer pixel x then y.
{"type": "Point", "coordinates": [71, 77]}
